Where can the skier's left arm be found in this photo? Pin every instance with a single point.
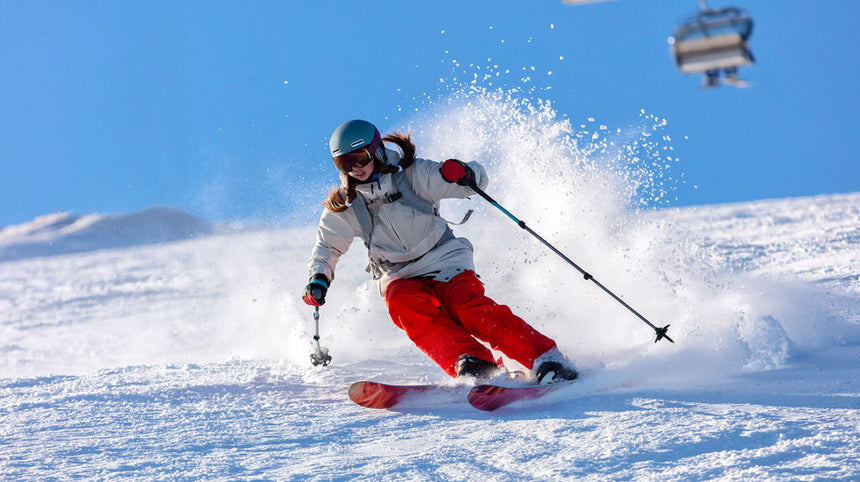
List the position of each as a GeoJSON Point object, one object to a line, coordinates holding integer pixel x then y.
{"type": "Point", "coordinates": [439, 180]}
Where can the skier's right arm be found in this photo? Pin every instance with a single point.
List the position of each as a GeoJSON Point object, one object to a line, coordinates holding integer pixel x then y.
{"type": "Point", "coordinates": [334, 236]}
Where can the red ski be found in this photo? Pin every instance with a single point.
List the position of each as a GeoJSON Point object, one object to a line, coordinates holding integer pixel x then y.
{"type": "Point", "coordinates": [382, 395]}
{"type": "Point", "coordinates": [492, 397]}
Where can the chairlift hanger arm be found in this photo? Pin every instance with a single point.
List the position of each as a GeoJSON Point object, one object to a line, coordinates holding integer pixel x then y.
{"type": "Point", "coordinates": [739, 21]}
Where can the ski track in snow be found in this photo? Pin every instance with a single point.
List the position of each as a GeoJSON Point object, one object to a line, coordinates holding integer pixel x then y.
{"type": "Point", "coordinates": [147, 363]}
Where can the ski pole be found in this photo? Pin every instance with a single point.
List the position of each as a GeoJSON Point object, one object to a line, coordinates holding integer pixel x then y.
{"type": "Point", "coordinates": [320, 355]}
{"type": "Point", "coordinates": [661, 332]}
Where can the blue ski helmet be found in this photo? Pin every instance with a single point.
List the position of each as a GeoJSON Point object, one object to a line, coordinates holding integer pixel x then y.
{"type": "Point", "coordinates": [353, 135]}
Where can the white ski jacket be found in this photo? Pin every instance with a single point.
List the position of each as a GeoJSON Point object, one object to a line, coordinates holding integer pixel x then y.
{"type": "Point", "coordinates": [405, 241]}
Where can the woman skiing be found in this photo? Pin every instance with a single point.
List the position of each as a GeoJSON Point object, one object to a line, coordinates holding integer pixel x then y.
{"type": "Point", "coordinates": [390, 199]}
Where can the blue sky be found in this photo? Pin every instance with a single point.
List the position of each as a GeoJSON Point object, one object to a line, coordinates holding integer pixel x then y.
{"type": "Point", "coordinates": [215, 106]}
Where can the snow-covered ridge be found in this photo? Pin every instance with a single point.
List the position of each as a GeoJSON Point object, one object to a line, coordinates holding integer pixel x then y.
{"type": "Point", "coordinates": [64, 233]}
{"type": "Point", "coordinates": [815, 238]}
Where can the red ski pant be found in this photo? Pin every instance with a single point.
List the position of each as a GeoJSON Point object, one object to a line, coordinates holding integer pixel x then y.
{"type": "Point", "coordinates": [446, 320]}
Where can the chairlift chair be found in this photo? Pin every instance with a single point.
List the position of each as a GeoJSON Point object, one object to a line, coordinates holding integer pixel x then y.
{"type": "Point", "coordinates": [714, 42]}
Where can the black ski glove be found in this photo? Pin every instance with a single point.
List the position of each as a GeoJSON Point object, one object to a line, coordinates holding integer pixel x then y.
{"type": "Point", "coordinates": [316, 290]}
{"type": "Point", "coordinates": [453, 170]}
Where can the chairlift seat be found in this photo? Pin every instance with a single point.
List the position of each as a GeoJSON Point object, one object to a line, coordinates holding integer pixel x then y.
{"type": "Point", "coordinates": [712, 53]}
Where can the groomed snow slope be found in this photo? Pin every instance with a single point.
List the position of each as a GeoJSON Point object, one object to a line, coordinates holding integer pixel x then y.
{"type": "Point", "coordinates": [190, 360]}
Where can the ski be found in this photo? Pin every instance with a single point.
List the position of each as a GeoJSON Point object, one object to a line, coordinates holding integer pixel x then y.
{"type": "Point", "coordinates": [492, 397]}
{"type": "Point", "coordinates": [382, 395]}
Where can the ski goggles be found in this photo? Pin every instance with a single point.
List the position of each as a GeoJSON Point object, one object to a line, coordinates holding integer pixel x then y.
{"type": "Point", "coordinates": [355, 159]}
{"type": "Point", "coordinates": [360, 157]}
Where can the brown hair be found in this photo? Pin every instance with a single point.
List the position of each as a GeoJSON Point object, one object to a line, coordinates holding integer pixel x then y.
{"type": "Point", "coordinates": [341, 197]}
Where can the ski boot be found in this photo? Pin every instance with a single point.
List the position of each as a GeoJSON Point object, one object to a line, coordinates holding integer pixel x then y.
{"type": "Point", "coordinates": [553, 367]}
{"type": "Point", "coordinates": [472, 366]}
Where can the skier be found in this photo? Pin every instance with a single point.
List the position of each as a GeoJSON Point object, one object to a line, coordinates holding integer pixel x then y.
{"type": "Point", "coordinates": [390, 200]}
